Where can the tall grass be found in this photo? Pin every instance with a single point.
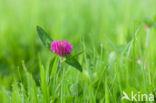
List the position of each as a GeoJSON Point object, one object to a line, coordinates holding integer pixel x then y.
{"type": "Point", "coordinates": [111, 33]}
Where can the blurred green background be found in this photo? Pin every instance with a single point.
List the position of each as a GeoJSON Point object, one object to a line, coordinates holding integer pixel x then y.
{"type": "Point", "coordinates": [110, 24]}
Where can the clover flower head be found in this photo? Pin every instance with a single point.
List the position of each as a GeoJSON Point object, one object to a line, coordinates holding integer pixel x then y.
{"type": "Point", "coordinates": [61, 48]}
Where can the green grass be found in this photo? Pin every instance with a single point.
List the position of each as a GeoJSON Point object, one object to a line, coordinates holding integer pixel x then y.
{"type": "Point", "coordinates": [116, 56]}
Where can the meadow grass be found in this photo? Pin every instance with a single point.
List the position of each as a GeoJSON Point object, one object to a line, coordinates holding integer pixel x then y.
{"type": "Point", "coordinates": [119, 52]}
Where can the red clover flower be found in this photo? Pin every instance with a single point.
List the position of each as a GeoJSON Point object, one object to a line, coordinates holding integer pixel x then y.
{"type": "Point", "coordinates": [61, 48]}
